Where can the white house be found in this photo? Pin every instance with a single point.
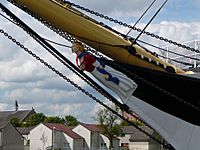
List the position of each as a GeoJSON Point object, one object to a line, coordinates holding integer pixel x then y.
{"type": "Point", "coordinates": [54, 136]}
{"type": "Point", "coordinates": [93, 138]}
{"type": "Point", "coordinates": [133, 139]}
{"type": "Point", "coordinates": [25, 132]}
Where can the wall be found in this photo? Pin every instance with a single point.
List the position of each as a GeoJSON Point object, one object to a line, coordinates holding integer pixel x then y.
{"type": "Point", "coordinates": [85, 133]}
{"type": "Point", "coordinates": [139, 146]}
{"type": "Point", "coordinates": [11, 138]}
{"type": "Point", "coordinates": [95, 139]}
{"type": "Point", "coordinates": [0, 138]}
{"type": "Point", "coordinates": [40, 137]}
{"type": "Point", "coordinates": [107, 142]}
{"type": "Point", "coordinates": [78, 144]}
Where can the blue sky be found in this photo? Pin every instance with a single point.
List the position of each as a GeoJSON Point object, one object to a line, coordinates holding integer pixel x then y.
{"type": "Point", "coordinates": [181, 10]}
{"type": "Point", "coordinates": [26, 80]}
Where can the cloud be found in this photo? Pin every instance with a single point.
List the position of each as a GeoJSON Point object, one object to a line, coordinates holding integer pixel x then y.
{"type": "Point", "coordinates": [115, 7]}
{"type": "Point", "coordinates": [34, 85]}
{"type": "Point", "coordinates": [198, 2]}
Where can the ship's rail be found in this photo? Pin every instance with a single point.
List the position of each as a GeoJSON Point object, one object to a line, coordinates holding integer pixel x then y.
{"type": "Point", "coordinates": [190, 55]}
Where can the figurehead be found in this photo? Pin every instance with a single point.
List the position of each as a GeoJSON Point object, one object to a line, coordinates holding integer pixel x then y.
{"type": "Point", "coordinates": [77, 46]}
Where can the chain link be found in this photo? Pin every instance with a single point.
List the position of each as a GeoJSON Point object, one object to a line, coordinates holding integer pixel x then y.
{"type": "Point", "coordinates": [65, 36]}
{"type": "Point", "coordinates": [75, 85]}
{"type": "Point", "coordinates": [132, 27]}
{"type": "Point", "coordinates": [49, 66]}
{"type": "Point", "coordinates": [71, 39]}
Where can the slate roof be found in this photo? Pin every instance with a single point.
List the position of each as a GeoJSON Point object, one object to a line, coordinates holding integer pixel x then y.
{"type": "Point", "coordinates": [91, 127]}
{"type": "Point", "coordinates": [63, 128]}
{"type": "Point", "coordinates": [24, 131]}
{"type": "Point", "coordinates": [5, 116]}
{"type": "Point", "coordinates": [136, 135]}
{"type": "Point", "coordinates": [3, 124]}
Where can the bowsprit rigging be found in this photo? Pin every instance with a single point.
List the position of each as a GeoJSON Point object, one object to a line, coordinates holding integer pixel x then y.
{"type": "Point", "coordinates": [163, 91]}
{"type": "Point", "coordinates": [152, 95]}
{"type": "Point", "coordinates": [159, 65]}
{"type": "Point", "coordinates": [131, 27]}
{"type": "Point", "coordinates": [141, 16]}
{"type": "Point", "coordinates": [68, 64]}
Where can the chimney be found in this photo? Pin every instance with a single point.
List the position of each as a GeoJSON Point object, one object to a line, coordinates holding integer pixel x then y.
{"type": "Point", "coordinates": [16, 105]}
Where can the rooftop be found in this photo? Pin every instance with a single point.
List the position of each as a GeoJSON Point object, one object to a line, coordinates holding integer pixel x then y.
{"type": "Point", "coordinates": [63, 128]}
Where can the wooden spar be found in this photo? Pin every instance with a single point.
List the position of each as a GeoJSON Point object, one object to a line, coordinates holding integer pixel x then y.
{"type": "Point", "coordinates": [93, 34]}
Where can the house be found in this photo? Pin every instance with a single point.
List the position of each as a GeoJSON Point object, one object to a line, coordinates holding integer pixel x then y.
{"type": "Point", "coordinates": [93, 138]}
{"type": "Point", "coordinates": [10, 138]}
{"type": "Point", "coordinates": [25, 132]}
{"type": "Point", "coordinates": [21, 115]}
{"type": "Point", "coordinates": [133, 139]}
{"type": "Point", "coordinates": [55, 136]}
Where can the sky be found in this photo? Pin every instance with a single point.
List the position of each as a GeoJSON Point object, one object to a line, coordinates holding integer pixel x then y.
{"type": "Point", "coordinates": [24, 79]}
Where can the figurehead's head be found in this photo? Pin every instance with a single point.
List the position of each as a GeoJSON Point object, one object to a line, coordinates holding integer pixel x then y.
{"type": "Point", "coordinates": [77, 46]}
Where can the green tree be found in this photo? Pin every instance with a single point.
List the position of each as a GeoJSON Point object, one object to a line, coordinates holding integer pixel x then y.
{"type": "Point", "coordinates": [54, 119]}
{"type": "Point", "coordinates": [109, 123]}
{"type": "Point", "coordinates": [135, 122]}
{"type": "Point", "coordinates": [34, 120]}
{"type": "Point", "coordinates": [15, 122]}
{"type": "Point", "coordinates": [71, 121]}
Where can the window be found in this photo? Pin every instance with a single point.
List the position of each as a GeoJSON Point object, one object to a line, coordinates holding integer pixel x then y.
{"type": "Point", "coordinates": [124, 145]}
{"type": "Point", "coordinates": [66, 146]}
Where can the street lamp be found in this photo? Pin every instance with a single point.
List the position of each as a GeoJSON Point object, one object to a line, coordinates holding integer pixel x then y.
{"type": "Point", "coordinates": [53, 138]}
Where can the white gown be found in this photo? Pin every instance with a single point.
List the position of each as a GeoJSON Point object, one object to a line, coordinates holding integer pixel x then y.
{"type": "Point", "coordinates": [124, 89]}
{"type": "Point", "coordinates": [180, 134]}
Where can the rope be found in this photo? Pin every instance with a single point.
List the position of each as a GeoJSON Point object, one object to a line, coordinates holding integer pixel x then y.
{"type": "Point", "coordinates": [141, 17]}
{"type": "Point", "coordinates": [130, 26]}
{"type": "Point", "coordinates": [78, 87]}
{"type": "Point", "coordinates": [69, 38]}
{"type": "Point", "coordinates": [64, 77]}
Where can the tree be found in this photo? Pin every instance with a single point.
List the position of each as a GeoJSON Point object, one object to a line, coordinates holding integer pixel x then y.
{"type": "Point", "coordinates": [71, 121]}
{"type": "Point", "coordinates": [15, 122]}
{"type": "Point", "coordinates": [54, 119]}
{"type": "Point", "coordinates": [34, 120]}
{"type": "Point", "coordinates": [135, 122]}
{"type": "Point", "coordinates": [109, 123]}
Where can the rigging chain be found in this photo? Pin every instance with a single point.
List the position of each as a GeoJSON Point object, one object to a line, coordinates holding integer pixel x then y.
{"type": "Point", "coordinates": [181, 62]}
{"type": "Point", "coordinates": [78, 87]}
{"type": "Point", "coordinates": [58, 31]}
{"type": "Point", "coordinates": [130, 26]}
{"type": "Point", "coordinates": [71, 39]}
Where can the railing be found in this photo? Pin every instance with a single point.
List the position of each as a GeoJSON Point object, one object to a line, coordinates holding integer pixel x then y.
{"type": "Point", "coordinates": [190, 55]}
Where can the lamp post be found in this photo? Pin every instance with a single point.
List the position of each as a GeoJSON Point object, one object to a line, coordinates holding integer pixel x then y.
{"type": "Point", "coordinates": [53, 138]}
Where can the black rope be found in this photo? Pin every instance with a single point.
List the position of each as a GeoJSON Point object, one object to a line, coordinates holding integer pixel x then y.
{"type": "Point", "coordinates": [124, 45]}
{"type": "Point", "coordinates": [141, 17]}
{"type": "Point", "coordinates": [57, 43]}
{"type": "Point", "coordinates": [181, 62]}
{"type": "Point", "coordinates": [143, 80]}
{"type": "Point", "coordinates": [52, 49]}
{"type": "Point", "coordinates": [150, 21]}
{"type": "Point", "coordinates": [163, 49]}
{"type": "Point", "coordinates": [46, 45]}
{"type": "Point", "coordinates": [130, 26]}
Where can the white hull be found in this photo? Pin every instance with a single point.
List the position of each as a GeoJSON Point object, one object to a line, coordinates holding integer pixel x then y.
{"type": "Point", "coordinates": [179, 133]}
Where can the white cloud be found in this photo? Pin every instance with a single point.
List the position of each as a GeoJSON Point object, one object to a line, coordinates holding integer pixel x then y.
{"type": "Point", "coordinates": [114, 7]}
{"type": "Point", "coordinates": [198, 2]}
